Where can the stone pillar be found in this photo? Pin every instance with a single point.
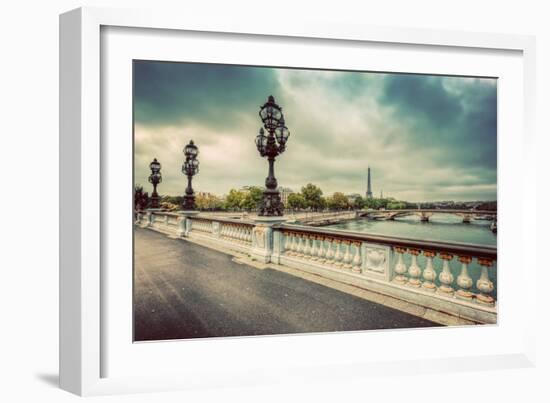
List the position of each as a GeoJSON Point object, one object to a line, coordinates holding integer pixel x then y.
{"type": "Point", "coordinates": [149, 219]}
{"type": "Point", "coordinates": [278, 245]}
{"type": "Point", "coordinates": [181, 227]}
{"type": "Point", "coordinates": [263, 239]}
{"type": "Point", "coordinates": [187, 223]}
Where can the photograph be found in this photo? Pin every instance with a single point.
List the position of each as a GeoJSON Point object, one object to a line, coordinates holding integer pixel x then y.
{"type": "Point", "coordinates": [275, 200]}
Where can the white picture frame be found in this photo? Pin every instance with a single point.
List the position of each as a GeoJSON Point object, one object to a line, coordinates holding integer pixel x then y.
{"type": "Point", "coordinates": [83, 306]}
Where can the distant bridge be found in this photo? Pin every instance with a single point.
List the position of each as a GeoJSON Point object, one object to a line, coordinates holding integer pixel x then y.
{"type": "Point", "coordinates": [425, 214]}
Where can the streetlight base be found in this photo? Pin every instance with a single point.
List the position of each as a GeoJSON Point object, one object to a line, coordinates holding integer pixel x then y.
{"type": "Point", "coordinates": [271, 205]}
{"type": "Point", "coordinates": [155, 202]}
{"type": "Point", "coordinates": [188, 203]}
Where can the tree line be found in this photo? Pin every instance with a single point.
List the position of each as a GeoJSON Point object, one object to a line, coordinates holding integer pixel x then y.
{"type": "Point", "coordinates": [310, 197]}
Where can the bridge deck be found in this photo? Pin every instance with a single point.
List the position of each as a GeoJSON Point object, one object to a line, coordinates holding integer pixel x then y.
{"type": "Point", "coordinates": [183, 290]}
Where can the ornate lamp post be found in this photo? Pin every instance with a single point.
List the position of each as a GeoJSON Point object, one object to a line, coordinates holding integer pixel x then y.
{"type": "Point", "coordinates": [155, 178]}
{"type": "Point", "coordinates": [270, 146]}
{"type": "Point", "coordinates": [190, 168]}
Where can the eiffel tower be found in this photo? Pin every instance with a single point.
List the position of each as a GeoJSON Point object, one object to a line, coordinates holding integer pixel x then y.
{"type": "Point", "coordinates": [369, 189]}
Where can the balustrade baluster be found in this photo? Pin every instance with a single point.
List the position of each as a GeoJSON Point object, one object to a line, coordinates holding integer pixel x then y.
{"type": "Point", "coordinates": [314, 248]}
{"type": "Point", "coordinates": [356, 262]}
{"type": "Point", "coordinates": [346, 260]}
{"type": "Point", "coordinates": [446, 278]}
{"type": "Point", "coordinates": [329, 256]}
{"type": "Point", "coordinates": [291, 244]}
{"type": "Point", "coordinates": [484, 284]}
{"type": "Point", "coordinates": [307, 247]}
{"type": "Point", "coordinates": [429, 273]}
{"type": "Point", "coordinates": [338, 254]}
{"type": "Point", "coordinates": [301, 246]}
{"type": "Point", "coordinates": [243, 234]}
{"type": "Point", "coordinates": [464, 281]}
{"type": "Point", "coordinates": [286, 243]}
{"type": "Point", "coordinates": [400, 268]}
{"type": "Point", "coordinates": [321, 253]}
{"type": "Point", "coordinates": [414, 270]}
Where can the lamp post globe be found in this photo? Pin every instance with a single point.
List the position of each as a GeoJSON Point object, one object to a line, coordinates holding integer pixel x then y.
{"type": "Point", "coordinates": [155, 178]}
{"type": "Point", "coordinates": [191, 151]}
{"type": "Point", "coordinates": [271, 145]}
{"type": "Point", "coordinates": [190, 168]}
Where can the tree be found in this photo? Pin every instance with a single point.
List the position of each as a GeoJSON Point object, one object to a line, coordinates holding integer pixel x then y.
{"type": "Point", "coordinates": [141, 199]}
{"type": "Point", "coordinates": [376, 203]}
{"type": "Point", "coordinates": [252, 198]}
{"type": "Point", "coordinates": [313, 195]}
{"type": "Point", "coordinates": [359, 203]}
{"type": "Point", "coordinates": [208, 201]}
{"type": "Point", "coordinates": [234, 199]}
{"type": "Point", "coordinates": [395, 205]}
{"type": "Point", "coordinates": [297, 201]}
{"type": "Point", "coordinates": [338, 201]}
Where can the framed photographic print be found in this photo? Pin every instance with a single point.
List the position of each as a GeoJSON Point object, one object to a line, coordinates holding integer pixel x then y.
{"type": "Point", "coordinates": [241, 201]}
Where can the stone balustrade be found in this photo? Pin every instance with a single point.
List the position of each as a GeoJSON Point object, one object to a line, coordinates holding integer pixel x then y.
{"type": "Point", "coordinates": [454, 278]}
{"type": "Point", "coordinates": [232, 234]}
{"type": "Point", "coordinates": [202, 225]}
{"type": "Point", "coordinates": [236, 232]}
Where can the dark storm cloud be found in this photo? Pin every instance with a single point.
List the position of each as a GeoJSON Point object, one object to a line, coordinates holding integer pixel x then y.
{"type": "Point", "coordinates": [425, 137]}
{"type": "Point", "coordinates": [456, 116]}
{"type": "Point", "coordinates": [179, 93]}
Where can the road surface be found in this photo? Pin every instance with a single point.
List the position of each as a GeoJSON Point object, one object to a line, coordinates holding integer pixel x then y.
{"type": "Point", "coordinates": [183, 290]}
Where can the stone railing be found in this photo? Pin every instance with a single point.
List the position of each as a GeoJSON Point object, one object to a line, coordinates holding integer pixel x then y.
{"type": "Point", "coordinates": [459, 279]}
{"type": "Point", "coordinates": [454, 278]}
{"type": "Point", "coordinates": [165, 222]}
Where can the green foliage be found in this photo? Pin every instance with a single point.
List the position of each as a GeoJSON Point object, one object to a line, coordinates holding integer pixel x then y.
{"type": "Point", "coordinates": [322, 203]}
{"type": "Point", "coordinates": [313, 196]}
{"type": "Point", "coordinates": [141, 198]}
{"type": "Point", "coordinates": [359, 203]}
{"type": "Point", "coordinates": [208, 201]}
{"type": "Point", "coordinates": [395, 205]}
{"type": "Point", "coordinates": [251, 199]}
{"type": "Point", "coordinates": [338, 201]}
{"type": "Point", "coordinates": [234, 199]}
{"type": "Point", "coordinates": [297, 201]}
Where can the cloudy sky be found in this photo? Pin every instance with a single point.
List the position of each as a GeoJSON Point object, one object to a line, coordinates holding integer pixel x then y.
{"type": "Point", "coordinates": [424, 137]}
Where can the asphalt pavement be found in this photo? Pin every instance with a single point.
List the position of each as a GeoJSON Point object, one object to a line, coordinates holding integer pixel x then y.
{"type": "Point", "coordinates": [183, 290]}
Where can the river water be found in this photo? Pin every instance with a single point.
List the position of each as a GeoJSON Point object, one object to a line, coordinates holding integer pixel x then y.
{"type": "Point", "coordinates": [441, 227]}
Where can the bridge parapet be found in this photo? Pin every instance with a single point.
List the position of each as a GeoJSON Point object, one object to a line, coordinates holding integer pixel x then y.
{"type": "Point", "coordinates": [456, 278]}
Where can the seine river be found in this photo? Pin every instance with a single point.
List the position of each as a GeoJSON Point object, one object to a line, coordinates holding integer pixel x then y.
{"type": "Point", "coordinates": [441, 227]}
